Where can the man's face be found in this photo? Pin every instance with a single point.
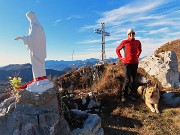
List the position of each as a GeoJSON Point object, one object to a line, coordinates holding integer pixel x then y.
{"type": "Point", "coordinates": [131, 35]}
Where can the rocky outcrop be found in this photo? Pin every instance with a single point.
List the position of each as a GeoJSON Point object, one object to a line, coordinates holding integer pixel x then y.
{"type": "Point", "coordinates": [91, 125]}
{"type": "Point", "coordinates": [164, 67]}
{"type": "Point", "coordinates": [32, 113]}
{"type": "Point", "coordinates": [81, 78]}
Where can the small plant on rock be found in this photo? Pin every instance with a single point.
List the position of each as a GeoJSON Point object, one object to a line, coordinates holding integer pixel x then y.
{"type": "Point", "coordinates": [15, 82]}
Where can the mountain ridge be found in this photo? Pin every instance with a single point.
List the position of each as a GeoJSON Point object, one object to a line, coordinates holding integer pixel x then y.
{"type": "Point", "coordinates": [53, 68]}
{"type": "Point", "coordinates": [62, 64]}
{"type": "Point", "coordinates": [24, 71]}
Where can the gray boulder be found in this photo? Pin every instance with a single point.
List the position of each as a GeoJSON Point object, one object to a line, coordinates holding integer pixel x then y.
{"type": "Point", "coordinates": [91, 126]}
{"type": "Point", "coordinates": [164, 67]}
{"type": "Point", "coordinates": [32, 113]}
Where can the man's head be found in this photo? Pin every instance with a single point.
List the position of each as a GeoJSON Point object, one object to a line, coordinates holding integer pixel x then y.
{"type": "Point", "coordinates": [131, 33]}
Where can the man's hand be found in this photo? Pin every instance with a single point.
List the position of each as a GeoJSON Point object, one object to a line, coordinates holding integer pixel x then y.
{"type": "Point", "coordinates": [18, 38]}
{"type": "Point", "coordinates": [121, 60]}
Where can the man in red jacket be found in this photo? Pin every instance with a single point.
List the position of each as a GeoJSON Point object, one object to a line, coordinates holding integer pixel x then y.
{"type": "Point", "coordinates": [132, 51]}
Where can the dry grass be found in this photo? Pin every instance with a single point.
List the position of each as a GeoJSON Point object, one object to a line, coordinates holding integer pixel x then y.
{"type": "Point", "coordinates": [132, 118]}
{"type": "Point", "coordinates": [79, 79]}
{"type": "Point", "coordinates": [135, 118]}
{"type": "Point", "coordinates": [112, 78]}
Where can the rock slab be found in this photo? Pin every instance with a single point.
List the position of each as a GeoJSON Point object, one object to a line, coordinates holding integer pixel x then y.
{"type": "Point", "coordinates": [32, 113]}
{"type": "Point", "coordinates": [91, 126]}
{"type": "Point", "coordinates": [164, 67]}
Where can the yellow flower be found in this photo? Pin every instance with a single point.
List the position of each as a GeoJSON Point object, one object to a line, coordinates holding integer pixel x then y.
{"type": "Point", "coordinates": [15, 82]}
{"type": "Point", "coordinates": [19, 79]}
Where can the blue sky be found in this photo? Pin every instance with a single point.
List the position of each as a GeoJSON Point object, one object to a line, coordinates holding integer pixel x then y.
{"type": "Point", "coordinates": [70, 24]}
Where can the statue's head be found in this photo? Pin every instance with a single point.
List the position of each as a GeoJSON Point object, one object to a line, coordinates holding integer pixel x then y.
{"type": "Point", "coordinates": [32, 17]}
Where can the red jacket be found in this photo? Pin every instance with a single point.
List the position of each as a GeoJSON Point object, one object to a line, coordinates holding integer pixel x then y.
{"type": "Point", "coordinates": [132, 50]}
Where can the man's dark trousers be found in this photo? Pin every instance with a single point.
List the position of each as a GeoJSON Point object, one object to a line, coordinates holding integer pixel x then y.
{"type": "Point", "coordinates": [129, 86]}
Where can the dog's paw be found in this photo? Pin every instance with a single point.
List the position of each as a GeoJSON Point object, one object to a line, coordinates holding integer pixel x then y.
{"type": "Point", "coordinates": [157, 111]}
{"type": "Point", "coordinates": [153, 110]}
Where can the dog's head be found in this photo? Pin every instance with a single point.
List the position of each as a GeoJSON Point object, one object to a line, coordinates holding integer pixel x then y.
{"type": "Point", "coordinates": [152, 91]}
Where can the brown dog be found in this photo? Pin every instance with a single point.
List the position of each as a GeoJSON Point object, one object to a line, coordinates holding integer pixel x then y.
{"type": "Point", "coordinates": [151, 96]}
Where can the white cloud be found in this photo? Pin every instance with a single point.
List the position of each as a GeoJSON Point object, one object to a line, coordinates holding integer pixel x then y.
{"type": "Point", "coordinates": [73, 17]}
{"type": "Point", "coordinates": [157, 31]}
{"type": "Point", "coordinates": [160, 23]}
{"type": "Point", "coordinates": [68, 18]}
{"type": "Point", "coordinates": [87, 27]}
{"type": "Point", "coordinates": [87, 55]}
{"type": "Point", "coordinates": [58, 21]}
{"type": "Point", "coordinates": [90, 41]}
{"type": "Point", "coordinates": [155, 23]}
{"type": "Point", "coordinates": [131, 10]}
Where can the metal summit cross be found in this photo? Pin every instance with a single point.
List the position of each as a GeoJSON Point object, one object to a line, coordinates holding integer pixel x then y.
{"type": "Point", "coordinates": [103, 33]}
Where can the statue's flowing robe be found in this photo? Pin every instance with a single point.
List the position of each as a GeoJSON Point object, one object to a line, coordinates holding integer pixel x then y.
{"type": "Point", "coordinates": [36, 43]}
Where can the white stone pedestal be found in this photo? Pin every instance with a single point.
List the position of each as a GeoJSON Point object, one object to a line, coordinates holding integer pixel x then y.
{"type": "Point", "coordinates": [40, 86]}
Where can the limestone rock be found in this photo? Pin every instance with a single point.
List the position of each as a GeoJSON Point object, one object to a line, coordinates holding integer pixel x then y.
{"type": "Point", "coordinates": [164, 67]}
{"type": "Point", "coordinates": [36, 98]}
{"type": "Point", "coordinates": [91, 126]}
{"type": "Point", "coordinates": [30, 113]}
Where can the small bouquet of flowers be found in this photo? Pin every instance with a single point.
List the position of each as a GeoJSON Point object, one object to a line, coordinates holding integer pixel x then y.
{"type": "Point", "coordinates": [15, 82]}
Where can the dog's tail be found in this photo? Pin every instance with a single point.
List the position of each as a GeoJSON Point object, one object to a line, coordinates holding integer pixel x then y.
{"type": "Point", "coordinates": [140, 90]}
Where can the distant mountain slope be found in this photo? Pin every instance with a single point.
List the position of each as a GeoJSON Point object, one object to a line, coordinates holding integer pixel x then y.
{"type": "Point", "coordinates": [171, 46]}
{"type": "Point", "coordinates": [53, 68]}
{"type": "Point", "coordinates": [16, 66]}
{"type": "Point", "coordinates": [24, 71]}
{"type": "Point", "coordinates": [61, 65]}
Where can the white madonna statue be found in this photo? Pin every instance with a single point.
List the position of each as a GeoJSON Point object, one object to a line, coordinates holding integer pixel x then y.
{"type": "Point", "coordinates": [36, 43]}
